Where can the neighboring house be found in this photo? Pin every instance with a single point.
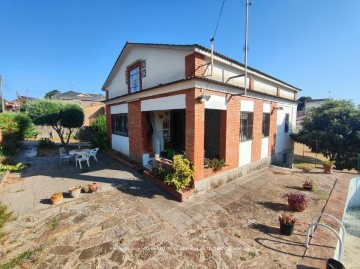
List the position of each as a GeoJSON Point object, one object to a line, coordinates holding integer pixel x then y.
{"type": "Point", "coordinates": [15, 105]}
{"type": "Point", "coordinates": [169, 98]}
{"type": "Point", "coordinates": [308, 104]}
{"type": "Point", "coordinates": [91, 103]}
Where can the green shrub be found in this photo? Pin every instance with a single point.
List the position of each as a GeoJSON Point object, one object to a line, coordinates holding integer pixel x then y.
{"type": "Point", "coordinates": [14, 126]}
{"type": "Point", "coordinates": [31, 131]}
{"type": "Point", "coordinates": [8, 149]}
{"type": "Point", "coordinates": [45, 143]}
{"type": "Point", "coordinates": [99, 131]}
{"type": "Point", "coordinates": [217, 164]}
{"type": "Point", "coordinates": [182, 173]}
{"type": "Point", "coordinates": [5, 216]}
{"type": "Point", "coordinates": [160, 172]}
{"type": "Point", "coordinates": [12, 168]}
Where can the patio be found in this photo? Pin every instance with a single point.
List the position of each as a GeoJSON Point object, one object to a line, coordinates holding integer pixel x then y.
{"type": "Point", "coordinates": [131, 223]}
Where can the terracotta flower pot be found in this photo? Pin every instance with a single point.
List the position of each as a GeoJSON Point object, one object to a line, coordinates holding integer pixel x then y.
{"type": "Point", "coordinates": [327, 168]}
{"type": "Point", "coordinates": [75, 191]}
{"type": "Point", "coordinates": [57, 198]}
{"type": "Point", "coordinates": [93, 187]}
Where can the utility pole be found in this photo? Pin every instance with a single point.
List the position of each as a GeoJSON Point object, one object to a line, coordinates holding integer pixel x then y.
{"type": "Point", "coordinates": [2, 95]}
{"type": "Point", "coordinates": [248, 3]}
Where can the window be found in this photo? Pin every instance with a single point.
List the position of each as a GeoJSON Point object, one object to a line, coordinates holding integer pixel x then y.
{"type": "Point", "coordinates": [134, 77]}
{"type": "Point", "coordinates": [119, 124]}
{"type": "Point", "coordinates": [266, 125]}
{"type": "Point", "coordinates": [287, 116]}
{"type": "Point", "coordinates": [246, 125]}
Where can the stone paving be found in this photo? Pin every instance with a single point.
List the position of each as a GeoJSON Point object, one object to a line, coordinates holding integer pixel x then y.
{"type": "Point", "coordinates": [130, 223]}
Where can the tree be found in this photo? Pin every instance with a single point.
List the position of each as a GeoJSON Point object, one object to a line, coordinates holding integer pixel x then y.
{"type": "Point", "coordinates": [99, 133]}
{"type": "Point", "coordinates": [334, 130]}
{"type": "Point", "coordinates": [49, 94]}
{"type": "Point", "coordinates": [14, 126]}
{"type": "Point", "coordinates": [59, 115]}
{"type": "Point", "coordinates": [302, 101]}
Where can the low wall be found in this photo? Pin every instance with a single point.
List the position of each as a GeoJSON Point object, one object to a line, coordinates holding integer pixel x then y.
{"type": "Point", "coordinates": [224, 177]}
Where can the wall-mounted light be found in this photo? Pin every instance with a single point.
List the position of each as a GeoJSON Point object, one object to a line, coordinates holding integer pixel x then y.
{"type": "Point", "coordinates": [278, 108]}
{"type": "Point", "coordinates": [204, 98]}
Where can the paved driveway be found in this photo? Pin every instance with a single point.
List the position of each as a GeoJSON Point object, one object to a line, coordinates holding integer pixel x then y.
{"type": "Point", "coordinates": [131, 223]}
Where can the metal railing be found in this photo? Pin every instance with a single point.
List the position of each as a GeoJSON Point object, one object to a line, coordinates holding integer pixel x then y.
{"type": "Point", "coordinates": [311, 228]}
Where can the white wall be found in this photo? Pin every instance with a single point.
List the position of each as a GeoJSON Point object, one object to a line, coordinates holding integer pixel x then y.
{"type": "Point", "coordinates": [119, 109]}
{"type": "Point", "coordinates": [120, 143]}
{"type": "Point", "coordinates": [216, 102]}
{"type": "Point", "coordinates": [247, 106]}
{"type": "Point", "coordinates": [245, 152]}
{"type": "Point", "coordinates": [264, 147]}
{"type": "Point", "coordinates": [164, 103]}
{"type": "Point", "coordinates": [283, 140]}
{"type": "Point", "coordinates": [162, 66]}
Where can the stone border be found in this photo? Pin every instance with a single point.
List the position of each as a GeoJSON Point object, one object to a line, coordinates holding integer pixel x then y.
{"type": "Point", "coordinates": [2, 181]}
{"type": "Point", "coordinates": [179, 195]}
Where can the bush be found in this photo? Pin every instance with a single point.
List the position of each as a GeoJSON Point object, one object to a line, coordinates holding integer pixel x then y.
{"type": "Point", "coordinates": [217, 164]}
{"type": "Point", "coordinates": [98, 128]}
{"type": "Point", "coordinates": [5, 216]}
{"type": "Point", "coordinates": [182, 173]}
{"type": "Point", "coordinates": [160, 172]}
{"type": "Point", "coordinates": [14, 126]}
{"type": "Point", "coordinates": [12, 168]}
{"type": "Point", "coordinates": [8, 149]}
{"type": "Point", "coordinates": [46, 143]}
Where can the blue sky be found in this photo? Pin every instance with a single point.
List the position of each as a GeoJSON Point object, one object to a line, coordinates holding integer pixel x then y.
{"type": "Point", "coordinates": [47, 44]}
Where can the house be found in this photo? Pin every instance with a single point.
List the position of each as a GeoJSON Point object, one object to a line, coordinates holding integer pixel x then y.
{"type": "Point", "coordinates": [16, 105]}
{"type": "Point", "coordinates": [170, 98]}
{"type": "Point", "coordinates": [91, 103]}
{"type": "Point", "coordinates": [313, 103]}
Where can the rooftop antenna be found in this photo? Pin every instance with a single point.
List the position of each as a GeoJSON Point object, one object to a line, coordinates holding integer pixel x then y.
{"type": "Point", "coordinates": [248, 3]}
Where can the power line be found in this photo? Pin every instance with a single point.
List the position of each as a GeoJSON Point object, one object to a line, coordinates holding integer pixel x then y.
{"type": "Point", "coordinates": [217, 24]}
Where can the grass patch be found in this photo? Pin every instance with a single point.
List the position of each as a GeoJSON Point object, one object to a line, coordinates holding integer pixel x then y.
{"type": "Point", "coordinates": [18, 260]}
{"type": "Point", "coordinates": [5, 216]}
{"type": "Point", "coordinates": [252, 254]}
{"type": "Point", "coordinates": [20, 190]}
{"type": "Point", "coordinates": [305, 167]}
{"type": "Point", "coordinates": [55, 224]}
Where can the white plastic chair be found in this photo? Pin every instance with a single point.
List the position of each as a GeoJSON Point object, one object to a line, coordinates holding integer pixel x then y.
{"type": "Point", "coordinates": [64, 155]}
{"type": "Point", "coordinates": [83, 157]}
{"type": "Point", "coordinates": [93, 153]}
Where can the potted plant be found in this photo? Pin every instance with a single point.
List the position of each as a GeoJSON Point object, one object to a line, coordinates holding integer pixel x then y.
{"type": "Point", "coordinates": [57, 198]}
{"type": "Point", "coordinates": [216, 164]}
{"type": "Point", "coordinates": [75, 191]}
{"type": "Point", "coordinates": [308, 184]}
{"type": "Point", "coordinates": [334, 264]}
{"type": "Point", "coordinates": [287, 223]}
{"type": "Point", "coordinates": [93, 187]}
{"type": "Point", "coordinates": [327, 166]}
{"type": "Point", "coordinates": [297, 201]}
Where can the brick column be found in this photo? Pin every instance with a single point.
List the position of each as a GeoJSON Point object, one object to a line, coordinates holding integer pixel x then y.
{"type": "Point", "coordinates": [230, 133]}
{"type": "Point", "coordinates": [137, 131]}
{"type": "Point", "coordinates": [194, 65]}
{"type": "Point", "coordinates": [272, 131]}
{"type": "Point", "coordinates": [194, 133]}
{"type": "Point", "coordinates": [108, 125]}
{"type": "Point", "coordinates": [257, 131]}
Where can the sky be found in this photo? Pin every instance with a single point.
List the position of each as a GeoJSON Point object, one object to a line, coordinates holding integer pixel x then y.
{"type": "Point", "coordinates": [73, 44]}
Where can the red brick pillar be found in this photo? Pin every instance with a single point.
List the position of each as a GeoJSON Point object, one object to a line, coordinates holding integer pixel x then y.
{"type": "Point", "coordinates": [194, 65]}
{"type": "Point", "coordinates": [108, 124]}
{"type": "Point", "coordinates": [230, 132]}
{"type": "Point", "coordinates": [194, 133]}
{"type": "Point", "coordinates": [257, 131]}
{"type": "Point", "coordinates": [273, 129]}
{"type": "Point", "coordinates": [137, 131]}
{"type": "Point", "coordinates": [251, 84]}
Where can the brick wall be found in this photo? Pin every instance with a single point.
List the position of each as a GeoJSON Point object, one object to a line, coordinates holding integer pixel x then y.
{"type": "Point", "coordinates": [137, 130]}
{"type": "Point", "coordinates": [273, 128]}
{"type": "Point", "coordinates": [194, 132]}
{"type": "Point", "coordinates": [194, 65]}
{"type": "Point", "coordinates": [230, 132]}
{"type": "Point", "coordinates": [257, 131]}
{"type": "Point", "coordinates": [251, 84]}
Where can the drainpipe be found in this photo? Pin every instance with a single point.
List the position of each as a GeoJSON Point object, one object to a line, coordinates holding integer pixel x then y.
{"type": "Point", "coordinates": [246, 43]}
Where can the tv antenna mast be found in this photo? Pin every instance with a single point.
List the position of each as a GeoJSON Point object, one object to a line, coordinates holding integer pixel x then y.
{"type": "Point", "coordinates": [246, 48]}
